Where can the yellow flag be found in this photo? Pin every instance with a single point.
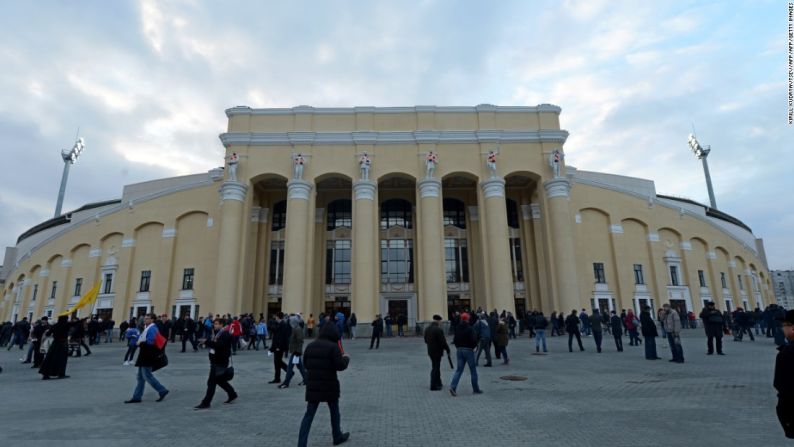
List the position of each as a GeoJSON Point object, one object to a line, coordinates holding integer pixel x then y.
{"type": "Point", "coordinates": [88, 298]}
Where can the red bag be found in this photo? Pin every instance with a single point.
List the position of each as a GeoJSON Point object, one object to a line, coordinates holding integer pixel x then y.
{"type": "Point", "coordinates": [160, 341]}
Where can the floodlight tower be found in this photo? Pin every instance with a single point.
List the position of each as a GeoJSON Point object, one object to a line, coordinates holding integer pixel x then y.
{"type": "Point", "coordinates": [69, 157]}
{"type": "Point", "coordinates": [702, 154]}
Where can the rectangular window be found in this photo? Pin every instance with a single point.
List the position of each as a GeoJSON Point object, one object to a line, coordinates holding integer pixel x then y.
{"type": "Point", "coordinates": [146, 280]}
{"type": "Point", "coordinates": [35, 292]}
{"type": "Point", "coordinates": [598, 272]}
{"type": "Point", "coordinates": [515, 258]}
{"type": "Point", "coordinates": [54, 288]}
{"type": "Point", "coordinates": [338, 262]}
{"type": "Point", "coordinates": [78, 286]}
{"type": "Point", "coordinates": [456, 260]}
{"type": "Point", "coordinates": [723, 281]}
{"type": "Point", "coordinates": [674, 275]}
{"type": "Point", "coordinates": [741, 284]}
{"type": "Point", "coordinates": [702, 278]}
{"type": "Point", "coordinates": [639, 278]}
{"type": "Point", "coordinates": [108, 283]}
{"type": "Point", "coordinates": [187, 279]}
{"type": "Point", "coordinates": [396, 261]}
{"type": "Point", "coordinates": [276, 270]}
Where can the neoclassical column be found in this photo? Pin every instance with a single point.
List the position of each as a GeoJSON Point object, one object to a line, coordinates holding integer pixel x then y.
{"type": "Point", "coordinates": [365, 242]}
{"type": "Point", "coordinates": [433, 289]}
{"type": "Point", "coordinates": [229, 245]}
{"type": "Point", "coordinates": [496, 238]}
{"type": "Point", "coordinates": [561, 235]}
{"type": "Point", "coordinates": [296, 239]}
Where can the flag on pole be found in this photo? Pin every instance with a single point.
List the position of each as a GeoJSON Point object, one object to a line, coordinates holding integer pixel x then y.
{"type": "Point", "coordinates": [88, 298]}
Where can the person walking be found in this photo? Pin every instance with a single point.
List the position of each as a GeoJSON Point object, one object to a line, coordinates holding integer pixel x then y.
{"type": "Point", "coordinates": [323, 359]}
{"type": "Point", "coordinates": [436, 343]}
{"type": "Point", "coordinates": [673, 327]}
{"type": "Point", "coordinates": [188, 328]}
{"type": "Point", "coordinates": [279, 346]}
{"type": "Point", "coordinates": [401, 321]}
{"type": "Point", "coordinates": [714, 324]}
{"type": "Point", "coordinates": [616, 324]}
{"type": "Point", "coordinates": [353, 323]}
{"type": "Point", "coordinates": [784, 377]}
{"type": "Point", "coordinates": [540, 324]}
{"type": "Point", "coordinates": [554, 325]}
{"type": "Point", "coordinates": [54, 363]}
{"type": "Point", "coordinates": [147, 360]}
{"type": "Point", "coordinates": [597, 330]}
{"type": "Point", "coordinates": [631, 324]}
{"type": "Point", "coordinates": [78, 337]}
{"type": "Point", "coordinates": [483, 331]}
{"type": "Point", "coordinates": [377, 329]}
{"type": "Point", "coordinates": [295, 352]}
{"type": "Point", "coordinates": [132, 334]}
{"type": "Point", "coordinates": [572, 327]}
{"type": "Point", "coordinates": [309, 326]}
{"type": "Point", "coordinates": [501, 339]}
{"type": "Point", "coordinates": [261, 334]}
{"type": "Point", "coordinates": [220, 352]}
{"type": "Point", "coordinates": [465, 341]}
{"type": "Point", "coordinates": [649, 333]}
{"type": "Point", "coordinates": [388, 322]}
{"type": "Point", "coordinates": [744, 323]}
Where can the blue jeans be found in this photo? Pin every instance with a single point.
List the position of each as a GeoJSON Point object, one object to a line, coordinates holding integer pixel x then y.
{"type": "Point", "coordinates": [291, 370]}
{"type": "Point", "coordinates": [145, 375]}
{"type": "Point", "coordinates": [676, 349]}
{"type": "Point", "coordinates": [540, 334]}
{"type": "Point", "coordinates": [650, 348]}
{"type": "Point", "coordinates": [465, 356]}
{"type": "Point", "coordinates": [388, 331]}
{"type": "Point", "coordinates": [306, 424]}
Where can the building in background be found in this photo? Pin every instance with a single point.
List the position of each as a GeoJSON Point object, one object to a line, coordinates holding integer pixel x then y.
{"type": "Point", "coordinates": [783, 284]}
{"type": "Point", "coordinates": [410, 211]}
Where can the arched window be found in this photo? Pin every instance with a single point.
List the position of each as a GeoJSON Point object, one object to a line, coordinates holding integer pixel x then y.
{"type": "Point", "coordinates": [395, 213]}
{"type": "Point", "coordinates": [455, 213]}
{"type": "Point", "coordinates": [279, 216]}
{"type": "Point", "coordinates": [512, 213]}
{"type": "Point", "coordinates": [339, 214]}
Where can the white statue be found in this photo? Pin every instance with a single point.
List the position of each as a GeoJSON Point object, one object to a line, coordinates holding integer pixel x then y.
{"type": "Point", "coordinates": [491, 163]}
{"type": "Point", "coordinates": [233, 167]}
{"type": "Point", "coordinates": [299, 161]}
{"type": "Point", "coordinates": [555, 161]}
{"type": "Point", "coordinates": [430, 163]}
{"type": "Point", "coordinates": [364, 163]}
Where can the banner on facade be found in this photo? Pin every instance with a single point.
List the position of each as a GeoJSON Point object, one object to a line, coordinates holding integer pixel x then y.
{"type": "Point", "coordinates": [89, 298]}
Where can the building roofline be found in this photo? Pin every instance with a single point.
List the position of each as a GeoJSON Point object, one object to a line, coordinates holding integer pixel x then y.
{"type": "Point", "coordinates": [63, 218]}
{"type": "Point", "coordinates": [309, 110]}
{"type": "Point", "coordinates": [710, 212]}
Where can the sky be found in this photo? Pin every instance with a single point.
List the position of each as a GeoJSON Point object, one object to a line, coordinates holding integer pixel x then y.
{"type": "Point", "coordinates": [147, 83]}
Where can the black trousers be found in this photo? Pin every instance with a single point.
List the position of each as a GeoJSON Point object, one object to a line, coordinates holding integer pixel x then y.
{"type": "Point", "coordinates": [710, 343]}
{"type": "Point", "coordinates": [185, 338]}
{"type": "Point", "coordinates": [618, 342]}
{"type": "Point", "coordinates": [212, 381]}
{"type": "Point", "coordinates": [375, 340]}
{"type": "Point", "coordinates": [597, 337]}
{"type": "Point", "coordinates": [435, 372]}
{"type": "Point", "coordinates": [785, 414]}
{"type": "Point", "coordinates": [571, 335]}
{"type": "Point", "coordinates": [278, 364]}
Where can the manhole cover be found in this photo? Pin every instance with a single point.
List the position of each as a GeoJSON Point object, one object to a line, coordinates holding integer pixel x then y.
{"type": "Point", "coordinates": [513, 378]}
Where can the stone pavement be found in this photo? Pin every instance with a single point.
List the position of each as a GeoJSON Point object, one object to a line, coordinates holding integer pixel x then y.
{"type": "Point", "coordinates": [570, 399]}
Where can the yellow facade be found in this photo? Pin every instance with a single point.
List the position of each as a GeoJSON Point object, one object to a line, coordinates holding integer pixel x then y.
{"type": "Point", "coordinates": [404, 240]}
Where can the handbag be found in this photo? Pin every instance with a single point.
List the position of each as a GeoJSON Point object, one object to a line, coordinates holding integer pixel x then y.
{"type": "Point", "coordinates": [160, 361]}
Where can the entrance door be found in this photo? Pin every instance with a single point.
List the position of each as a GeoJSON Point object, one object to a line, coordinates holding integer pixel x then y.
{"type": "Point", "coordinates": [397, 308]}
{"type": "Point", "coordinates": [679, 306]}
{"type": "Point", "coordinates": [641, 303]}
{"type": "Point", "coordinates": [185, 309]}
{"type": "Point", "coordinates": [105, 314]}
{"type": "Point", "coordinates": [273, 307]}
{"type": "Point", "coordinates": [456, 304]}
{"type": "Point", "coordinates": [521, 308]}
{"type": "Point", "coordinates": [729, 305]}
{"type": "Point", "coordinates": [140, 311]}
{"type": "Point", "coordinates": [604, 306]}
{"type": "Point", "coordinates": [339, 304]}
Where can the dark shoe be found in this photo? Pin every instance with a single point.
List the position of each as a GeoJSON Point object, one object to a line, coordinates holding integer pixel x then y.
{"type": "Point", "coordinates": [25, 362]}
{"type": "Point", "coordinates": [201, 407]}
{"type": "Point", "coordinates": [478, 392]}
{"type": "Point", "coordinates": [672, 360]}
{"type": "Point", "coordinates": [709, 353]}
{"type": "Point", "coordinates": [453, 392]}
{"type": "Point", "coordinates": [230, 399]}
{"type": "Point", "coordinates": [487, 365]}
{"type": "Point", "coordinates": [275, 381]}
{"type": "Point", "coordinates": [344, 438]}
{"type": "Point", "coordinates": [45, 378]}
{"type": "Point", "coordinates": [720, 353]}
{"type": "Point", "coordinates": [88, 354]}
{"type": "Point", "coordinates": [162, 396]}
{"type": "Point", "coordinates": [301, 383]}
{"type": "Point", "coordinates": [437, 388]}
{"type": "Point", "coordinates": [284, 385]}
{"type": "Point", "coordinates": [132, 401]}
{"type": "Point", "coordinates": [63, 377]}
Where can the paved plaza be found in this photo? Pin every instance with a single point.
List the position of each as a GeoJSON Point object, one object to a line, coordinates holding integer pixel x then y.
{"type": "Point", "coordinates": [570, 399]}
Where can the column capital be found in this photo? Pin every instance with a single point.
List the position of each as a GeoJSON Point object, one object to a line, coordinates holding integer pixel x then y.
{"type": "Point", "coordinates": [364, 189]}
{"type": "Point", "coordinates": [493, 187]}
{"type": "Point", "coordinates": [558, 187]}
{"type": "Point", "coordinates": [233, 191]}
{"type": "Point", "coordinates": [299, 189]}
{"type": "Point", "coordinates": [429, 187]}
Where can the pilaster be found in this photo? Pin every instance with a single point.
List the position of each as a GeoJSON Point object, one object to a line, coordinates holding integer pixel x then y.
{"type": "Point", "coordinates": [562, 243]}
{"type": "Point", "coordinates": [496, 237]}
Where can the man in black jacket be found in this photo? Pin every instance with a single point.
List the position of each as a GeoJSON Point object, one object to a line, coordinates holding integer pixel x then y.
{"type": "Point", "coordinates": [436, 346]}
{"type": "Point", "coordinates": [784, 377]}
{"type": "Point", "coordinates": [220, 346]}
{"type": "Point", "coordinates": [616, 324]}
{"type": "Point", "coordinates": [572, 327]}
{"type": "Point", "coordinates": [377, 329]}
{"type": "Point", "coordinates": [713, 322]}
{"type": "Point", "coordinates": [323, 358]}
{"type": "Point", "coordinates": [187, 327]}
{"type": "Point", "coordinates": [280, 346]}
{"type": "Point", "coordinates": [465, 341]}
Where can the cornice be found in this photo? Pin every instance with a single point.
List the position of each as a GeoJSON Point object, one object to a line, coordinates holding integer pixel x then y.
{"type": "Point", "coordinates": [393, 137]}
{"type": "Point", "coordinates": [303, 110]}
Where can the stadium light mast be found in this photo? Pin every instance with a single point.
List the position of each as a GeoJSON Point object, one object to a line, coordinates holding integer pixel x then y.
{"type": "Point", "coordinates": [69, 157]}
{"type": "Point", "coordinates": [702, 154]}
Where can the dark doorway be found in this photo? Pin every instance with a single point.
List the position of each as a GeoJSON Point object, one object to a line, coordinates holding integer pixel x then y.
{"type": "Point", "coordinates": [456, 304]}
{"type": "Point", "coordinates": [273, 308]}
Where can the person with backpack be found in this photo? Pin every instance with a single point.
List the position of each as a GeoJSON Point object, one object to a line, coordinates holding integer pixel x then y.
{"type": "Point", "coordinates": [631, 323]}
{"type": "Point", "coordinates": [261, 334]}
{"type": "Point", "coordinates": [152, 345]}
{"type": "Point", "coordinates": [540, 323]}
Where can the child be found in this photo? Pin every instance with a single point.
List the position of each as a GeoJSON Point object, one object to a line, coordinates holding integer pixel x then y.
{"type": "Point", "coordinates": [131, 335]}
{"type": "Point", "coordinates": [784, 377]}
